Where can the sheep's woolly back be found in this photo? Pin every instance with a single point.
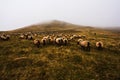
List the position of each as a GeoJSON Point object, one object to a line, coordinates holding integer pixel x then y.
{"type": "Point", "coordinates": [79, 40]}
{"type": "Point", "coordinates": [3, 37]}
{"type": "Point", "coordinates": [84, 43]}
{"type": "Point", "coordinates": [22, 36]}
{"type": "Point", "coordinates": [30, 37]}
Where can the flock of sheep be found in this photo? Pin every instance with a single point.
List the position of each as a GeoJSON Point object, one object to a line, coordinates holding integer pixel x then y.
{"type": "Point", "coordinates": [4, 37]}
{"type": "Point", "coordinates": [56, 39]}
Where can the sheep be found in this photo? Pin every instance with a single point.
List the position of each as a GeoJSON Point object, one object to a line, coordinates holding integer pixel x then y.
{"type": "Point", "coordinates": [44, 41]}
{"type": "Point", "coordinates": [65, 41]}
{"type": "Point", "coordinates": [26, 35]}
{"type": "Point", "coordinates": [99, 45]}
{"type": "Point", "coordinates": [8, 37]}
{"type": "Point", "coordinates": [79, 40]}
{"type": "Point", "coordinates": [36, 42]}
{"type": "Point", "coordinates": [51, 40]}
{"type": "Point", "coordinates": [5, 37]}
{"type": "Point", "coordinates": [73, 37]}
{"type": "Point", "coordinates": [48, 40]}
{"type": "Point", "coordinates": [85, 45]}
{"type": "Point", "coordinates": [22, 36]}
{"type": "Point", "coordinates": [59, 41]}
{"type": "Point", "coordinates": [29, 37]}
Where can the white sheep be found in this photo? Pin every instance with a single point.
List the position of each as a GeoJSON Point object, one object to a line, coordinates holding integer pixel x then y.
{"type": "Point", "coordinates": [99, 45]}
{"type": "Point", "coordinates": [59, 41]}
{"type": "Point", "coordinates": [65, 41]}
{"type": "Point", "coordinates": [45, 40]}
{"type": "Point", "coordinates": [29, 37]}
{"type": "Point", "coordinates": [22, 36]}
{"type": "Point", "coordinates": [5, 37]}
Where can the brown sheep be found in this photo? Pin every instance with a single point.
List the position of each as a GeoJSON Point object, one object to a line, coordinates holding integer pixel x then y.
{"type": "Point", "coordinates": [85, 45]}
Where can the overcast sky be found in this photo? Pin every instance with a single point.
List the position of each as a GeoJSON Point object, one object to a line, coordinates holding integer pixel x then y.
{"type": "Point", "coordinates": [19, 13]}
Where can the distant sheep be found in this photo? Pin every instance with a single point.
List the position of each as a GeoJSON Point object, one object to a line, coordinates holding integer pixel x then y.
{"type": "Point", "coordinates": [5, 37]}
{"type": "Point", "coordinates": [8, 37]}
{"type": "Point", "coordinates": [22, 36]}
{"type": "Point", "coordinates": [29, 37]}
{"type": "Point", "coordinates": [99, 45]}
{"type": "Point", "coordinates": [36, 42]}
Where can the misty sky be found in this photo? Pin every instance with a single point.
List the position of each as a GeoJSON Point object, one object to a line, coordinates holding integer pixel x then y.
{"type": "Point", "coordinates": [19, 13]}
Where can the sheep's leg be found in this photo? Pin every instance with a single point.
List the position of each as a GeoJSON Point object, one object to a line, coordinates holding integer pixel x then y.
{"type": "Point", "coordinates": [89, 48]}
{"type": "Point", "coordinates": [82, 47]}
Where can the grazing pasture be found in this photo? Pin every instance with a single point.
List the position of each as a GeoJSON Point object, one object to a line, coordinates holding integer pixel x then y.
{"type": "Point", "coordinates": [21, 59]}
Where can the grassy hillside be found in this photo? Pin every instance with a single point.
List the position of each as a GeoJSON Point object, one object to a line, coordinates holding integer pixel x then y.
{"type": "Point", "coordinates": [21, 60]}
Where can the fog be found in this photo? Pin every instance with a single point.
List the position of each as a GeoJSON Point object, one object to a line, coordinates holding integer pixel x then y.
{"type": "Point", "coordinates": [19, 13]}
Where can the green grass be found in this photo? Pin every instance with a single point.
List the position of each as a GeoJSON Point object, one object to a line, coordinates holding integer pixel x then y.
{"type": "Point", "coordinates": [52, 62]}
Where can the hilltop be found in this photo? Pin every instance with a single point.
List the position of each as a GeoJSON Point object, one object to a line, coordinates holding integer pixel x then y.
{"type": "Point", "coordinates": [53, 25]}
{"type": "Point", "coordinates": [56, 25]}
